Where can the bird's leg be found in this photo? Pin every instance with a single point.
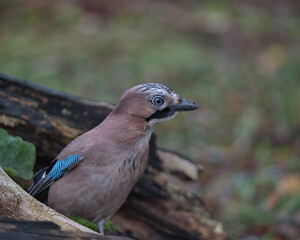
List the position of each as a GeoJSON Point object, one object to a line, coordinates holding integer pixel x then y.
{"type": "Point", "coordinates": [100, 225]}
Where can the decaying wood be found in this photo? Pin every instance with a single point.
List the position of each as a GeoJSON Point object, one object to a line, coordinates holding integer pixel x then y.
{"type": "Point", "coordinates": [157, 208]}
{"type": "Point", "coordinates": [18, 204]}
{"type": "Point", "coordinates": [12, 229]}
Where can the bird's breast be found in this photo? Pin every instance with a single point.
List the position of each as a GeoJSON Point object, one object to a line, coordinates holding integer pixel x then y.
{"type": "Point", "coordinates": [133, 164]}
{"type": "Point", "coordinates": [96, 191]}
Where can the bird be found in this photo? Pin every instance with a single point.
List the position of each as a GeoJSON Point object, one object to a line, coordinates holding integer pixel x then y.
{"type": "Point", "coordinates": [93, 175]}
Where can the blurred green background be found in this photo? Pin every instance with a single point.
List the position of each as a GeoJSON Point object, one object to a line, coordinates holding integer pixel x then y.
{"type": "Point", "coordinates": [239, 60]}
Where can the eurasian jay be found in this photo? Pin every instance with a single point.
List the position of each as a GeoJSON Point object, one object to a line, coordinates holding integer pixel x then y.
{"type": "Point", "coordinates": [93, 175]}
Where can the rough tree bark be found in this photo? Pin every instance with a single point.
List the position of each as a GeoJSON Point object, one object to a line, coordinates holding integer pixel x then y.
{"type": "Point", "coordinates": [157, 208]}
{"type": "Point", "coordinates": [18, 204]}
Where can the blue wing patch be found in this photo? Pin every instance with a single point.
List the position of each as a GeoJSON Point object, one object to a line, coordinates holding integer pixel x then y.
{"type": "Point", "coordinates": [60, 167]}
{"type": "Point", "coordinates": [44, 178]}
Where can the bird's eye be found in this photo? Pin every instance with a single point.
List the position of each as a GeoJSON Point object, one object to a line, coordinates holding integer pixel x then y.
{"type": "Point", "coordinates": [158, 101]}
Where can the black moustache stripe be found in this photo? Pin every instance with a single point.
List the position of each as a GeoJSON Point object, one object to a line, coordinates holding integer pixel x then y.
{"type": "Point", "coordinates": [159, 114]}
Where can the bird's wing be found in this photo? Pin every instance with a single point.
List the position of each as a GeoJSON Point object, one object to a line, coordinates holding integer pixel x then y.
{"type": "Point", "coordinates": [43, 178]}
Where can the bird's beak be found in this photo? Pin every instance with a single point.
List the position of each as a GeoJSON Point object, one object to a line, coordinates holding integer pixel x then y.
{"type": "Point", "coordinates": [184, 105]}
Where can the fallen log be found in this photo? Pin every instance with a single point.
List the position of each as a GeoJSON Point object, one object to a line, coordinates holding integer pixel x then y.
{"type": "Point", "coordinates": [18, 204]}
{"type": "Point", "coordinates": [12, 229]}
{"type": "Point", "coordinates": [157, 208]}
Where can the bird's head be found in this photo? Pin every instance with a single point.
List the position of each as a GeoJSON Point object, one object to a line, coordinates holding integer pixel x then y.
{"type": "Point", "coordinates": [153, 102]}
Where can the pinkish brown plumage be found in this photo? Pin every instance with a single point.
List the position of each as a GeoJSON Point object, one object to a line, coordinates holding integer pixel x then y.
{"type": "Point", "coordinates": [115, 155]}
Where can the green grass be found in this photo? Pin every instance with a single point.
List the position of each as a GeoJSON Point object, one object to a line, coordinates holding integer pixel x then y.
{"type": "Point", "coordinates": [109, 225]}
{"type": "Point", "coordinates": [85, 223]}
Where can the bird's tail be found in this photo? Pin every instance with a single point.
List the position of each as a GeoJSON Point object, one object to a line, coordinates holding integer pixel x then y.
{"type": "Point", "coordinates": [37, 181]}
{"type": "Point", "coordinates": [43, 178]}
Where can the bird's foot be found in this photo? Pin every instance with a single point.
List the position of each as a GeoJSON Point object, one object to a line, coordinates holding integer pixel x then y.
{"type": "Point", "coordinates": [101, 227]}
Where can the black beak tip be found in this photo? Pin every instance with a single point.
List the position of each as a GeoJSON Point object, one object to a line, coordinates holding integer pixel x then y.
{"type": "Point", "coordinates": [185, 105]}
{"type": "Point", "coordinates": [191, 105]}
{"type": "Point", "coordinates": [195, 105]}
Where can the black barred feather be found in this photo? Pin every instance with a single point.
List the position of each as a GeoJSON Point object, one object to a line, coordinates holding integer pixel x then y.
{"type": "Point", "coordinates": [44, 178]}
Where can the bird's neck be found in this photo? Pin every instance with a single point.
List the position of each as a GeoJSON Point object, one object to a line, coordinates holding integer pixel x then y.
{"type": "Point", "coordinates": [129, 138]}
{"type": "Point", "coordinates": [126, 129]}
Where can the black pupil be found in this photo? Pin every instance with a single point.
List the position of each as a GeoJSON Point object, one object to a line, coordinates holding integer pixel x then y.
{"type": "Point", "coordinates": [158, 101]}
